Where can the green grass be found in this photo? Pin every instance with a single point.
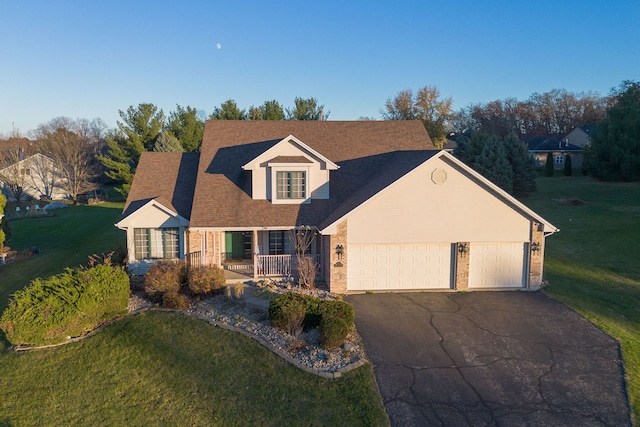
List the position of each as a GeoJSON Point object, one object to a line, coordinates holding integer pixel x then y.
{"type": "Point", "coordinates": [65, 240]}
{"type": "Point", "coordinates": [170, 369]}
{"type": "Point", "coordinates": [593, 264]}
{"type": "Point", "coordinates": [156, 368]}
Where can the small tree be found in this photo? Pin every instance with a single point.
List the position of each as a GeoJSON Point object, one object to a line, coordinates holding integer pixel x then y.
{"type": "Point", "coordinates": [301, 238]}
{"type": "Point", "coordinates": [494, 164]}
{"type": "Point", "coordinates": [3, 203]}
{"type": "Point", "coordinates": [167, 143]}
{"type": "Point", "coordinates": [548, 167]}
{"type": "Point", "coordinates": [567, 165]}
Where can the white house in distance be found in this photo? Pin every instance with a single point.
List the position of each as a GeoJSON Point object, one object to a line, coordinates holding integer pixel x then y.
{"type": "Point", "coordinates": [390, 211]}
{"type": "Point", "coordinates": [38, 177]}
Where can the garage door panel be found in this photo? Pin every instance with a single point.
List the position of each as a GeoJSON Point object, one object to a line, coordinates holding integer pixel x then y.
{"type": "Point", "coordinates": [496, 265]}
{"type": "Point", "coordinates": [399, 266]}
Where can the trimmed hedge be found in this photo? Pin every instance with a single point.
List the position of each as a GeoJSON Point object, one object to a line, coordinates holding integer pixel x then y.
{"type": "Point", "coordinates": [68, 304]}
{"type": "Point", "coordinates": [285, 309]}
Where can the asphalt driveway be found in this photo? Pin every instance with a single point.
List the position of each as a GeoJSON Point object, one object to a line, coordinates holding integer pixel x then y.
{"type": "Point", "coordinates": [490, 358]}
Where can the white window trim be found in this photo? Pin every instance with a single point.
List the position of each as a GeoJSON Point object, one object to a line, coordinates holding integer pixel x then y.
{"type": "Point", "coordinates": [292, 167]}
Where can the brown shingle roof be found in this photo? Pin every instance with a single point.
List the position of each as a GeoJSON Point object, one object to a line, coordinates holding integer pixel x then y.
{"type": "Point", "coordinates": [169, 178]}
{"type": "Point", "coordinates": [364, 150]}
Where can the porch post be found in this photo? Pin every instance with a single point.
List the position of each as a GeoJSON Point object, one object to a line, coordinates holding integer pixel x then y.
{"type": "Point", "coordinates": [254, 250]}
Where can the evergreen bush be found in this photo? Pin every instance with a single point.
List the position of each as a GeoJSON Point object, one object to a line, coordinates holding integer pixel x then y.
{"type": "Point", "coordinates": [548, 167]}
{"type": "Point", "coordinates": [65, 305]}
{"type": "Point", "coordinates": [340, 309]}
{"type": "Point", "coordinates": [333, 332]}
{"type": "Point", "coordinates": [285, 309]}
{"type": "Point", "coordinates": [567, 165]}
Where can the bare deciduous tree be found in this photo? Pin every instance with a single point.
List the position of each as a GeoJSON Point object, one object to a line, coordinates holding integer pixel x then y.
{"type": "Point", "coordinates": [301, 238]}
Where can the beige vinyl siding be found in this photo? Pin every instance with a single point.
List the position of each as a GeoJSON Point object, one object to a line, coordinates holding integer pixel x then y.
{"type": "Point", "coordinates": [416, 210]}
{"type": "Point", "coordinates": [262, 175]}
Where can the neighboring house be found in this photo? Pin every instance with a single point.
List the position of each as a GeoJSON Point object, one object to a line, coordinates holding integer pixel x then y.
{"type": "Point", "coordinates": [574, 144]}
{"type": "Point", "coordinates": [36, 175]}
{"type": "Point", "coordinates": [450, 142]}
{"type": "Point", "coordinates": [391, 212]}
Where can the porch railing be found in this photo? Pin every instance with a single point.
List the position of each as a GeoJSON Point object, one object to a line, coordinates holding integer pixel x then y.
{"type": "Point", "coordinates": [194, 258]}
{"type": "Point", "coordinates": [281, 265]}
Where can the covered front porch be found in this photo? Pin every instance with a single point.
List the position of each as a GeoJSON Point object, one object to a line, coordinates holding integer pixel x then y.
{"type": "Point", "coordinates": [253, 254]}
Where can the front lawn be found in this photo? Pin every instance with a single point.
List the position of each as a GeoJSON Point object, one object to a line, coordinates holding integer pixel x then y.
{"type": "Point", "coordinates": [156, 368]}
{"type": "Point", "coordinates": [593, 264]}
{"type": "Point", "coordinates": [170, 369]}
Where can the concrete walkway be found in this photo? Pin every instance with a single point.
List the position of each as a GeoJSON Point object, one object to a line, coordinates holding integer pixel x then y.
{"type": "Point", "coordinates": [490, 358]}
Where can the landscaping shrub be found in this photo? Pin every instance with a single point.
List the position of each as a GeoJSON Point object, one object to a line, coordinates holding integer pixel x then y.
{"type": "Point", "coordinates": [286, 309]}
{"type": "Point", "coordinates": [333, 332]}
{"type": "Point", "coordinates": [340, 309]}
{"type": "Point", "coordinates": [68, 304]}
{"type": "Point", "coordinates": [205, 279]}
{"type": "Point", "coordinates": [164, 276]}
{"type": "Point", "coordinates": [175, 300]}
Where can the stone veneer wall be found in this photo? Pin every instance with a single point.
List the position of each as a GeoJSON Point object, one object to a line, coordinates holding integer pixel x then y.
{"type": "Point", "coordinates": [462, 268]}
{"type": "Point", "coordinates": [337, 277]}
{"type": "Point", "coordinates": [536, 258]}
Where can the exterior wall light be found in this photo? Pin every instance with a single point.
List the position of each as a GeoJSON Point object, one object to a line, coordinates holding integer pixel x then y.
{"type": "Point", "coordinates": [339, 252]}
{"type": "Point", "coordinates": [463, 248]}
{"type": "Point", "coordinates": [535, 247]}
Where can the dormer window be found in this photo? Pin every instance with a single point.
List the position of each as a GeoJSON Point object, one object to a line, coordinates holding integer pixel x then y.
{"type": "Point", "coordinates": [291, 185]}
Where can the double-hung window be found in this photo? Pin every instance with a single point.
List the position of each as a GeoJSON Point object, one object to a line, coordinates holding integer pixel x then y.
{"type": "Point", "coordinates": [156, 243]}
{"type": "Point", "coordinates": [291, 185]}
{"type": "Point", "coordinates": [276, 242]}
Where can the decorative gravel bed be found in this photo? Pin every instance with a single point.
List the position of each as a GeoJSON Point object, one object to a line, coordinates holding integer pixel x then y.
{"type": "Point", "coordinates": [247, 314]}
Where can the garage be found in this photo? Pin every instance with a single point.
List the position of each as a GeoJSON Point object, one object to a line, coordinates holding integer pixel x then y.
{"type": "Point", "coordinates": [496, 265]}
{"type": "Point", "coordinates": [399, 266]}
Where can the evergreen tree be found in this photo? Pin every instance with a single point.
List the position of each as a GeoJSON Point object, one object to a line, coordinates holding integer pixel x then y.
{"type": "Point", "coordinates": [3, 203]}
{"type": "Point", "coordinates": [548, 167]}
{"type": "Point", "coordinates": [522, 165]}
{"type": "Point", "coordinates": [307, 109]}
{"type": "Point", "coordinates": [614, 151]}
{"type": "Point", "coordinates": [469, 146]}
{"type": "Point", "coordinates": [167, 143]}
{"type": "Point", "coordinates": [567, 165]}
{"type": "Point", "coordinates": [137, 133]}
{"type": "Point", "coordinates": [494, 165]}
{"type": "Point", "coordinates": [228, 110]}
{"type": "Point", "coordinates": [187, 127]}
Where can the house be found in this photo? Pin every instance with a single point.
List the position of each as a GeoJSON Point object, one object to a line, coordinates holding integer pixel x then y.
{"type": "Point", "coordinates": [35, 175]}
{"type": "Point", "coordinates": [390, 211]}
{"type": "Point", "coordinates": [574, 144]}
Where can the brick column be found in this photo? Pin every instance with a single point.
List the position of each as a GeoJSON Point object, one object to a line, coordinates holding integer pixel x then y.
{"type": "Point", "coordinates": [462, 266]}
{"type": "Point", "coordinates": [536, 257]}
{"type": "Point", "coordinates": [337, 277]}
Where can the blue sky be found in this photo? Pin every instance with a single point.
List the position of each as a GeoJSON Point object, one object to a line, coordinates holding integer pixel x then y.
{"type": "Point", "coordinates": [86, 59]}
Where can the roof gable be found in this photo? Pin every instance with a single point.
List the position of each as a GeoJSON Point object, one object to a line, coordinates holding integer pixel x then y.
{"type": "Point", "coordinates": [420, 159]}
{"type": "Point", "coordinates": [287, 143]}
{"type": "Point", "coordinates": [161, 212]}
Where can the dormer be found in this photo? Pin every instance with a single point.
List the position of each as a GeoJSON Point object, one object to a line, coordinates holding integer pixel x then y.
{"type": "Point", "coordinates": [290, 172]}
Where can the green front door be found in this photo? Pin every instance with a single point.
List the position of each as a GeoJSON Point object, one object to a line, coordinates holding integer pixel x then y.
{"type": "Point", "coordinates": [234, 245]}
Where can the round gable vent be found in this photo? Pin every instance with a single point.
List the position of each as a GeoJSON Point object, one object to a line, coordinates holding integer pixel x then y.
{"type": "Point", "coordinates": [438, 176]}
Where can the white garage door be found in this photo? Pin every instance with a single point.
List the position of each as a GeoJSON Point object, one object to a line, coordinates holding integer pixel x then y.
{"type": "Point", "coordinates": [496, 265]}
{"type": "Point", "coordinates": [399, 266]}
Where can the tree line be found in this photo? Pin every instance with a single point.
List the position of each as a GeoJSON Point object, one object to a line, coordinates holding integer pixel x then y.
{"type": "Point", "coordinates": [489, 136]}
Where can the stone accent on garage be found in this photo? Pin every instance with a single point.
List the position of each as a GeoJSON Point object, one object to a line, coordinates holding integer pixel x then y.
{"type": "Point", "coordinates": [462, 267]}
{"type": "Point", "coordinates": [336, 273]}
{"type": "Point", "coordinates": [536, 257]}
